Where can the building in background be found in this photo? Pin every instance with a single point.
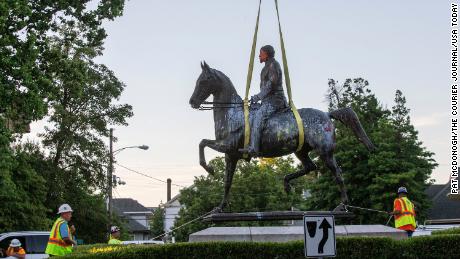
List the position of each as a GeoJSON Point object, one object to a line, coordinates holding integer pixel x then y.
{"type": "Point", "coordinates": [172, 208]}
{"type": "Point", "coordinates": [445, 208]}
{"type": "Point", "coordinates": [136, 215]}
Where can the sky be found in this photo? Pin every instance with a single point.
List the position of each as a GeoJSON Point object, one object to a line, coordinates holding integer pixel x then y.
{"type": "Point", "coordinates": [156, 48]}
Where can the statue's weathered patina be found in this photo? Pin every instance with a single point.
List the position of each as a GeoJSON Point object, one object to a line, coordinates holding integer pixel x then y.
{"type": "Point", "coordinates": [279, 135]}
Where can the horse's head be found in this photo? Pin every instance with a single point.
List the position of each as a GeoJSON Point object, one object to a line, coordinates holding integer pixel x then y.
{"type": "Point", "coordinates": [208, 83]}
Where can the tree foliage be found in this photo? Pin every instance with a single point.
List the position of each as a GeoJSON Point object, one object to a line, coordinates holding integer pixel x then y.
{"type": "Point", "coordinates": [26, 74]}
{"type": "Point", "coordinates": [373, 178]}
{"type": "Point", "coordinates": [257, 186]}
{"type": "Point", "coordinates": [48, 69]}
{"type": "Point", "coordinates": [157, 222]}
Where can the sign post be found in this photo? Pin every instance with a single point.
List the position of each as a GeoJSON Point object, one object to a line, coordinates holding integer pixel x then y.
{"type": "Point", "coordinates": [319, 236]}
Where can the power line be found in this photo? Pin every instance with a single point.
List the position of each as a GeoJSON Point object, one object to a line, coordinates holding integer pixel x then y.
{"type": "Point", "coordinates": [148, 176]}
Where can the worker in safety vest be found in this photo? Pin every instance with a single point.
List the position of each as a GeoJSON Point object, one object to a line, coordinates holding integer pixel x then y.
{"type": "Point", "coordinates": [114, 236]}
{"type": "Point", "coordinates": [15, 250]}
{"type": "Point", "coordinates": [61, 241]}
{"type": "Point", "coordinates": [404, 212]}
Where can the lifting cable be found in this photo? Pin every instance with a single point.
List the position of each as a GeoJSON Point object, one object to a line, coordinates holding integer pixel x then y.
{"type": "Point", "coordinates": [366, 209]}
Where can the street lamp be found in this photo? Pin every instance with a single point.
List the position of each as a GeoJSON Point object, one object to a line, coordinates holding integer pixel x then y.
{"type": "Point", "coordinates": [110, 176]}
{"type": "Point", "coordinates": [144, 147]}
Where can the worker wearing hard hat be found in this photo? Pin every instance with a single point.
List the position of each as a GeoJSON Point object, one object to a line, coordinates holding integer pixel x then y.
{"type": "Point", "coordinates": [61, 240]}
{"type": "Point", "coordinates": [404, 212]}
{"type": "Point", "coordinates": [114, 236]}
{"type": "Point", "coordinates": [15, 250]}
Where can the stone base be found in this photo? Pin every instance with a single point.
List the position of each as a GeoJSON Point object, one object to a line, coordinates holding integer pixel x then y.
{"type": "Point", "coordinates": [288, 233]}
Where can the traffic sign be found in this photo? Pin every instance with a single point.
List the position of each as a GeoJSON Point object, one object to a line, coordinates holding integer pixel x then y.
{"type": "Point", "coordinates": [319, 236]}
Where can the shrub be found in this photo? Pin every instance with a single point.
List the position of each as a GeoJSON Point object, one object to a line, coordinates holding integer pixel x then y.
{"type": "Point", "coordinates": [449, 231]}
{"type": "Point", "coordinates": [438, 246]}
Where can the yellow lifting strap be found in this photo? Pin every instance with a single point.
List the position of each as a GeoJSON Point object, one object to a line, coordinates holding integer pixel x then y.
{"type": "Point", "coordinates": [247, 131]}
{"type": "Point", "coordinates": [288, 85]}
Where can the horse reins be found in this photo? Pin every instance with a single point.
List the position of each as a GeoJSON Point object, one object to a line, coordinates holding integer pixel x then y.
{"type": "Point", "coordinates": [203, 107]}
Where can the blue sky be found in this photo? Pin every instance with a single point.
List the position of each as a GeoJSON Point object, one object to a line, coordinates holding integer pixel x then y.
{"type": "Point", "coordinates": [156, 48]}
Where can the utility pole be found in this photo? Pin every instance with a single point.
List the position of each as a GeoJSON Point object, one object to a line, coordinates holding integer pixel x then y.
{"type": "Point", "coordinates": [112, 179]}
{"type": "Point", "coordinates": [109, 177]}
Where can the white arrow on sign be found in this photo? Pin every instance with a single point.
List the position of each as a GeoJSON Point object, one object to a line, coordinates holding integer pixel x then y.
{"type": "Point", "coordinates": [319, 236]}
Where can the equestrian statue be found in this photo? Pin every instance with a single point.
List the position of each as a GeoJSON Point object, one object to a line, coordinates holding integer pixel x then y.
{"type": "Point", "coordinates": [274, 131]}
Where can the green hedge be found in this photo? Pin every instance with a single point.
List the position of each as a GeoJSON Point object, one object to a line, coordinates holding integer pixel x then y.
{"type": "Point", "coordinates": [439, 246]}
{"type": "Point", "coordinates": [449, 231]}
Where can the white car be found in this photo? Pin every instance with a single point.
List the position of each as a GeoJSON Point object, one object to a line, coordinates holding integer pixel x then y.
{"type": "Point", "coordinates": [34, 242]}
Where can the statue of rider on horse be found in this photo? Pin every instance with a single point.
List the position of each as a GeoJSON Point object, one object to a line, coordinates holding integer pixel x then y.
{"type": "Point", "coordinates": [274, 131]}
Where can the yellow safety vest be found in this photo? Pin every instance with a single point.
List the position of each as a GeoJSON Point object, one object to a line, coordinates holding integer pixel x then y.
{"type": "Point", "coordinates": [56, 245]}
{"type": "Point", "coordinates": [114, 241]}
{"type": "Point", "coordinates": [407, 213]}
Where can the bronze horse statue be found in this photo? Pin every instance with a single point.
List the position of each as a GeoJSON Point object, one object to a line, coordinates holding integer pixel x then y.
{"type": "Point", "coordinates": [280, 133]}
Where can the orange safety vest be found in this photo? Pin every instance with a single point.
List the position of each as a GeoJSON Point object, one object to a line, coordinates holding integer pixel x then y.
{"type": "Point", "coordinates": [10, 251]}
{"type": "Point", "coordinates": [407, 216]}
{"type": "Point", "coordinates": [56, 245]}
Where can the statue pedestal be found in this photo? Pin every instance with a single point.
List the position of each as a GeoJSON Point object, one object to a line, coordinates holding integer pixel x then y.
{"type": "Point", "coordinates": [272, 215]}
{"type": "Point", "coordinates": [288, 233]}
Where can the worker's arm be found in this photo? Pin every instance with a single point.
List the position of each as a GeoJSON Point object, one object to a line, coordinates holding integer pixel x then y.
{"type": "Point", "coordinates": [396, 208]}
{"type": "Point", "coordinates": [21, 254]}
{"type": "Point", "coordinates": [69, 241]}
{"type": "Point", "coordinates": [396, 212]}
{"type": "Point", "coordinates": [64, 230]}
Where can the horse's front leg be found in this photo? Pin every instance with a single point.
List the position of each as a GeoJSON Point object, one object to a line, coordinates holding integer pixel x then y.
{"type": "Point", "coordinates": [213, 144]}
{"type": "Point", "coordinates": [230, 166]}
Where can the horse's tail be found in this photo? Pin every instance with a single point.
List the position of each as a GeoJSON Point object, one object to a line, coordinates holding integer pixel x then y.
{"type": "Point", "coordinates": [349, 118]}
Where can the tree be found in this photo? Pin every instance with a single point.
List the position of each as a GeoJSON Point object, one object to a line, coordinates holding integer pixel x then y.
{"type": "Point", "coordinates": [83, 105]}
{"type": "Point", "coordinates": [23, 190]}
{"type": "Point", "coordinates": [256, 187]}
{"type": "Point", "coordinates": [25, 26]}
{"type": "Point", "coordinates": [373, 178]}
{"type": "Point", "coordinates": [157, 222]}
{"type": "Point", "coordinates": [47, 68]}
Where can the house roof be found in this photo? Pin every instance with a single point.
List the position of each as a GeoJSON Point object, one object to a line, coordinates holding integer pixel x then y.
{"type": "Point", "coordinates": [124, 205]}
{"type": "Point", "coordinates": [442, 206]}
{"type": "Point", "coordinates": [135, 226]}
{"type": "Point", "coordinates": [175, 198]}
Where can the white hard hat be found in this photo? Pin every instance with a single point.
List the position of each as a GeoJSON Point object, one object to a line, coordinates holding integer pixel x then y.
{"type": "Point", "coordinates": [15, 243]}
{"type": "Point", "coordinates": [64, 208]}
{"type": "Point", "coordinates": [402, 189]}
{"type": "Point", "coordinates": [114, 229]}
